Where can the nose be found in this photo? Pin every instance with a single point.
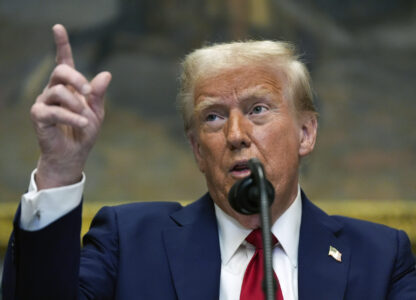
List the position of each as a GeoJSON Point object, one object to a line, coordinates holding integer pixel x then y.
{"type": "Point", "coordinates": [236, 131]}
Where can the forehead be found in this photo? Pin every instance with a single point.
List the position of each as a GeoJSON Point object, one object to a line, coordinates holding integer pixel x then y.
{"type": "Point", "coordinates": [239, 81]}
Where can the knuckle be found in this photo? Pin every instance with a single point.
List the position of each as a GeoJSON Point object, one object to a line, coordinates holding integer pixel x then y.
{"type": "Point", "coordinates": [33, 110]}
{"type": "Point", "coordinates": [57, 71]}
{"type": "Point", "coordinates": [67, 75]}
{"type": "Point", "coordinates": [60, 71]}
{"type": "Point", "coordinates": [52, 114]}
{"type": "Point", "coordinates": [79, 81]}
{"type": "Point", "coordinates": [36, 111]}
{"type": "Point", "coordinates": [40, 98]}
{"type": "Point", "coordinates": [62, 68]}
{"type": "Point", "coordinates": [58, 89]}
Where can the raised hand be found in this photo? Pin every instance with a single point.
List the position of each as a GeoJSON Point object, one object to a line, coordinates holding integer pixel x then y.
{"type": "Point", "coordinates": [67, 117]}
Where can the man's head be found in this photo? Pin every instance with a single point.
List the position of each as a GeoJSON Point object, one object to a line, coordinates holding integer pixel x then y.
{"type": "Point", "coordinates": [244, 100]}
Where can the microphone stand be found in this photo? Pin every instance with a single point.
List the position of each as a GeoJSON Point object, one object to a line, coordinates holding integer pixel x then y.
{"type": "Point", "coordinates": [269, 284]}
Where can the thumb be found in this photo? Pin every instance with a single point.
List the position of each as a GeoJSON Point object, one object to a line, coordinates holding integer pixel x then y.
{"type": "Point", "coordinates": [99, 86]}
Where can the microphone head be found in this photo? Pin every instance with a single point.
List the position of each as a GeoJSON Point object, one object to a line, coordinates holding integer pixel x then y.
{"type": "Point", "coordinates": [244, 196]}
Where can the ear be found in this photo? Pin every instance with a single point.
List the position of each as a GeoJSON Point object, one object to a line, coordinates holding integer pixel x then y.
{"type": "Point", "coordinates": [308, 131]}
{"type": "Point", "coordinates": [196, 149]}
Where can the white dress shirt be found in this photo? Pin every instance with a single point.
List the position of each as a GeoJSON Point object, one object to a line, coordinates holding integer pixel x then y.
{"type": "Point", "coordinates": [236, 253]}
{"type": "Point", "coordinates": [41, 208]}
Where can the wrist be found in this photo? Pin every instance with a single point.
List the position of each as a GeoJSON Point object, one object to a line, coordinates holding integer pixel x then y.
{"type": "Point", "coordinates": [56, 175]}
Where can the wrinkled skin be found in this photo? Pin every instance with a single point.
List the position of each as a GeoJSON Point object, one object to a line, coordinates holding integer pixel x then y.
{"type": "Point", "coordinates": [241, 114]}
{"type": "Point", "coordinates": [67, 117]}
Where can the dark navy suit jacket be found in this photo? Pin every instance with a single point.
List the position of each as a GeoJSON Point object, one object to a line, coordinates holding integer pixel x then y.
{"type": "Point", "coordinates": [163, 251]}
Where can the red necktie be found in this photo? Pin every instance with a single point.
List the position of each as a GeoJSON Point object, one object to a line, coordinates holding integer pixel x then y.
{"type": "Point", "coordinates": [253, 277]}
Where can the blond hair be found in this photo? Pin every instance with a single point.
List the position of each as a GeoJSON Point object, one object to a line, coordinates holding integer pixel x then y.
{"type": "Point", "coordinates": [211, 60]}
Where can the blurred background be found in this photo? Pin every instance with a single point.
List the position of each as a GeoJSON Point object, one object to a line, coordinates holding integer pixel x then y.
{"type": "Point", "coordinates": [361, 54]}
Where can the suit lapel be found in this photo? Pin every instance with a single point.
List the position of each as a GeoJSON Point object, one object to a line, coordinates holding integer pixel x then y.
{"type": "Point", "coordinates": [321, 276]}
{"type": "Point", "coordinates": [193, 251]}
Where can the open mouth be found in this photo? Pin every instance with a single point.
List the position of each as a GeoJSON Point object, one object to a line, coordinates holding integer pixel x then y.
{"type": "Point", "coordinates": [240, 169]}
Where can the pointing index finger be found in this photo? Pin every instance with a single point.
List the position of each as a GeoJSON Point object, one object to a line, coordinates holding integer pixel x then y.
{"type": "Point", "coordinates": [63, 47]}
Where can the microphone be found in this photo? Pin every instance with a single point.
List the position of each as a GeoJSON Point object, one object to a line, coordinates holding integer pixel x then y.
{"type": "Point", "coordinates": [252, 195]}
{"type": "Point", "coordinates": [244, 195]}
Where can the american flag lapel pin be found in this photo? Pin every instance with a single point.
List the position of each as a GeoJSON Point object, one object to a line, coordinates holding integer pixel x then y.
{"type": "Point", "coordinates": [335, 253]}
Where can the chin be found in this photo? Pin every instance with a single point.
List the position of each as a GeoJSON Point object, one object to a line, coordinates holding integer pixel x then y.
{"type": "Point", "coordinates": [248, 221]}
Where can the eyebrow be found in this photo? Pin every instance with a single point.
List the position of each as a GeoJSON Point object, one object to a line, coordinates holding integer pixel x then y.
{"type": "Point", "coordinates": [256, 92]}
{"type": "Point", "coordinates": [207, 102]}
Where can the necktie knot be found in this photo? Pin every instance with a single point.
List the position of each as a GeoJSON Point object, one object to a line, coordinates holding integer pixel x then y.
{"type": "Point", "coordinates": [255, 238]}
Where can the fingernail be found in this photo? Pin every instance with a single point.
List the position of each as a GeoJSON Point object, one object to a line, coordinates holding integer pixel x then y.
{"type": "Point", "coordinates": [86, 89]}
{"type": "Point", "coordinates": [83, 122]}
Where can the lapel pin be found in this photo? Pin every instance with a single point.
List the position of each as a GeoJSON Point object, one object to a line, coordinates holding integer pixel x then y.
{"type": "Point", "coordinates": [335, 253]}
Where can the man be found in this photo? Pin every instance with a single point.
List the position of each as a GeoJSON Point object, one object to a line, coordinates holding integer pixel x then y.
{"type": "Point", "coordinates": [239, 101]}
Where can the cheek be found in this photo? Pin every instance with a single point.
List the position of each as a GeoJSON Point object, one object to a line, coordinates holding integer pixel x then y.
{"type": "Point", "coordinates": [279, 146]}
{"type": "Point", "coordinates": [211, 150]}
{"type": "Point", "coordinates": [276, 137]}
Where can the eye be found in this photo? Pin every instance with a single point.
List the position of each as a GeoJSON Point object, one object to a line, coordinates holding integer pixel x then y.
{"type": "Point", "coordinates": [211, 117]}
{"type": "Point", "coordinates": [212, 121]}
{"type": "Point", "coordinates": [258, 109]}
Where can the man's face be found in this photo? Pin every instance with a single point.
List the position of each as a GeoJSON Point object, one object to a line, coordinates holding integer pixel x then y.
{"type": "Point", "coordinates": [241, 114]}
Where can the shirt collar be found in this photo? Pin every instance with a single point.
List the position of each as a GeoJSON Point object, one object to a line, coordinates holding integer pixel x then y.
{"type": "Point", "coordinates": [286, 229]}
{"type": "Point", "coordinates": [231, 234]}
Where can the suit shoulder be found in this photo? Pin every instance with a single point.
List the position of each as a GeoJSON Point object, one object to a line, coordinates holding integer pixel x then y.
{"type": "Point", "coordinates": [386, 246]}
{"type": "Point", "coordinates": [359, 224]}
{"type": "Point", "coordinates": [378, 242]}
{"type": "Point", "coordinates": [146, 209]}
{"type": "Point", "coordinates": [157, 207]}
{"type": "Point", "coordinates": [366, 230]}
{"type": "Point", "coordinates": [133, 214]}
